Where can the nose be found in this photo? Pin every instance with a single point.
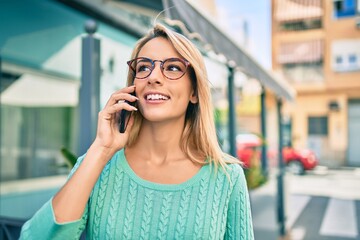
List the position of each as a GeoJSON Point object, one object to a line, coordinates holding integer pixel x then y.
{"type": "Point", "coordinates": [156, 75]}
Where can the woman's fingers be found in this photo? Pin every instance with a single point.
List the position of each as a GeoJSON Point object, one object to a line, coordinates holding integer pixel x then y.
{"type": "Point", "coordinates": [110, 111]}
{"type": "Point", "coordinates": [120, 106]}
{"type": "Point", "coordinates": [122, 94]}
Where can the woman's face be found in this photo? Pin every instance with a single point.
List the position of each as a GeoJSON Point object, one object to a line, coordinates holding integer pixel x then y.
{"type": "Point", "coordinates": [162, 99]}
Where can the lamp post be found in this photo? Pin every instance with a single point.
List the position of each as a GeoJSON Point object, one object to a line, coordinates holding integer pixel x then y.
{"type": "Point", "coordinates": [232, 115]}
{"type": "Point", "coordinates": [89, 95]}
{"type": "Point", "coordinates": [264, 165]}
{"type": "Point", "coordinates": [280, 177]}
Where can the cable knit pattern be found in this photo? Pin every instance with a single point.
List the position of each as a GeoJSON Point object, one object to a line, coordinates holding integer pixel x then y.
{"type": "Point", "coordinates": [130, 210]}
{"type": "Point", "coordinates": [200, 209]}
{"type": "Point", "coordinates": [100, 201]}
{"type": "Point", "coordinates": [224, 214]}
{"type": "Point", "coordinates": [146, 216]}
{"type": "Point", "coordinates": [215, 206]}
{"type": "Point", "coordinates": [164, 215]}
{"type": "Point", "coordinates": [123, 206]}
{"type": "Point", "coordinates": [114, 205]}
{"type": "Point", "coordinates": [183, 213]}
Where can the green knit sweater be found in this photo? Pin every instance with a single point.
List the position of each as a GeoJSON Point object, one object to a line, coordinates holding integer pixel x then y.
{"type": "Point", "coordinates": [124, 206]}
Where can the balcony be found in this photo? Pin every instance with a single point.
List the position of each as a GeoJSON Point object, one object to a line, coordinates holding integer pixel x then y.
{"type": "Point", "coordinates": [298, 15]}
{"type": "Point", "coordinates": [300, 25]}
{"type": "Point", "coordinates": [304, 72]}
{"type": "Point", "coordinates": [302, 61]}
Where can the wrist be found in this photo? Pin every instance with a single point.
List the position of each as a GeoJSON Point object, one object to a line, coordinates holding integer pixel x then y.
{"type": "Point", "coordinates": [103, 153]}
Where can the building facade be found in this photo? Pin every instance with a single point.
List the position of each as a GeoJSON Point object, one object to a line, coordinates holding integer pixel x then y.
{"type": "Point", "coordinates": [316, 48]}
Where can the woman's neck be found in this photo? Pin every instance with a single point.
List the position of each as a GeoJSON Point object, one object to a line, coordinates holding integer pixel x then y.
{"type": "Point", "coordinates": [160, 142]}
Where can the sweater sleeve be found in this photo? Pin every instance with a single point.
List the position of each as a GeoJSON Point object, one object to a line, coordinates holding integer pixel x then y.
{"type": "Point", "coordinates": [239, 221]}
{"type": "Point", "coordinates": [43, 224]}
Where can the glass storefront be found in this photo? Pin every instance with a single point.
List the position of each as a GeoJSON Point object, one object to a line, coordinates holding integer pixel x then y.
{"type": "Point", "coordinates": [40, 47]}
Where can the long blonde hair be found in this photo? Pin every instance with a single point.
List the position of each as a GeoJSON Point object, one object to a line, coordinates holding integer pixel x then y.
{"type": "Point", "coordinates": [199, 130]}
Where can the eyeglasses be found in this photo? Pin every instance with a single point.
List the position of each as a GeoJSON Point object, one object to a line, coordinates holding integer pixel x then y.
{"type": "Point", "coordinates": [171, 68]}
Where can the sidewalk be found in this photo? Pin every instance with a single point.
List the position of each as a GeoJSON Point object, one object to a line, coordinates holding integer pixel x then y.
{"type": "Point", "coordinates": [263, 204]}
{"type": "Point", "coordinates": [313, 204]}
{"type": "Point", "coordinates": [264, 210]}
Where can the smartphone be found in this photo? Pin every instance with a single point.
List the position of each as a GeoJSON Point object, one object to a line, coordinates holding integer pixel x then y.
{"type": "Point", "coordinates": [125, 116]}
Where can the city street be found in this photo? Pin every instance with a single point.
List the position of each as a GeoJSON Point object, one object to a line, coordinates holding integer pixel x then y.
{"type": "Point", "coordinates": [323, 204]}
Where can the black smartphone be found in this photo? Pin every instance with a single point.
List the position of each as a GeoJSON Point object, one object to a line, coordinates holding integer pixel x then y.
{"type": "Point", "coordinates": [125, 116]}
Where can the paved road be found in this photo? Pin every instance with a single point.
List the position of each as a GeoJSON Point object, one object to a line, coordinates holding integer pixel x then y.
{"type": "Point", "coordinates": [324, 205]}
{"type": "Point", "coordinates": [324, 218]}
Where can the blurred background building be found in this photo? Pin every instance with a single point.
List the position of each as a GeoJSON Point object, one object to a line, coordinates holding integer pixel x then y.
{"type": "Point", "coordinates": [40, 80]}
{"type": "Point", "coordinates": [316, 47]}
{"type": "Point", "coordinates": [315, 50]}
{"type": "Point", "coordinates": [41, 74]}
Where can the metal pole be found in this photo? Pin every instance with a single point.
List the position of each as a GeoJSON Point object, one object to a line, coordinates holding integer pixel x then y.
{"type": "Point", "coordinates": [232, 115]}
{"type": "Point", "coordinates": [280, 177]}
{"type": "Point", "coordinates": [1, 83]}
{"type": "Point", "coordinates": [89, 103]}
{"type": "Point", "coordinates": [264, 164]}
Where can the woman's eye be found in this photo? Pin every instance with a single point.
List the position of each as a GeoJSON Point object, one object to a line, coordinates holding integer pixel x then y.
{"type": "Point", "coordinates": [143, 68]}
{"type": "Point", "coordinates": [173, 68]}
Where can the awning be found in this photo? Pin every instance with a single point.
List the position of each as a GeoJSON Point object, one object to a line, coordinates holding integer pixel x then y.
{"type": "Point", "coordinates": [46, 53]}
{"type": "Point", "coordinates": [32, 90]}
{"type": "Point", "coordinates": [52, 27]}
{"type": "Point", "coordinates": [292, 10]}
{"type": "Point", "coordinates": [301, 52]}
{"type": "Point", "coordinates": [196, 21]}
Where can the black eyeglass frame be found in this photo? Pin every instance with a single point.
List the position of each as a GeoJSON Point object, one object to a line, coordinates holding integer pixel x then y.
{"type": "Point", "coordinates": [184, 61]}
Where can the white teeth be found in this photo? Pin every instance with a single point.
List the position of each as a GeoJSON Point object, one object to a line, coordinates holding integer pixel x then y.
{"type": "Point", "coordinates": [156, 97]}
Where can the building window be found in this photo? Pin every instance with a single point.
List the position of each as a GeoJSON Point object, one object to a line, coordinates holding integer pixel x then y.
{"type": "Point", "coordinates": [301, 25]}
{"type": "Point", "coordinates": [352, 59]}
{"type": "Point", "coordinates": [302, 61]}
{"type": "Point", "coordinates": [346, 63]}
{"type": "Point", "coordinates": [344, 8]}
{"type": "Point", "coordinates": [318, 126]}
{"type": "Point", "coordinates": [345, 55]}
{"type": "Point", "coordinates": [304, 72]}
{"type": "Point", "coordinates": [339, 60]}
{"type": "Point", "coordinates": [32, 139]}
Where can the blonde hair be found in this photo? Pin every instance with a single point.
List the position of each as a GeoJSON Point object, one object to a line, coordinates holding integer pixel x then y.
{"type": "Point", "coordinates": [199, 140]}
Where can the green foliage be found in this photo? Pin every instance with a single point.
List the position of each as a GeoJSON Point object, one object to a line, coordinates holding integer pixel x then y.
{"type": "Point", "coordinates": [254, 177]}
{"type": "Point", "coordinates": [69, 157]}
{"type": "Point", "coordinates": [253, 174]}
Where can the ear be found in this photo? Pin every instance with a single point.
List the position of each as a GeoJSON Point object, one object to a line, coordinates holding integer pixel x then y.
{"type": "Point", "coordinates": [193, 98]}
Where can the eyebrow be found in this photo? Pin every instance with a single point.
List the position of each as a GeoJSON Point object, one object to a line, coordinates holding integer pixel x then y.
{"type": "Point", "coordinates": [162, 58]}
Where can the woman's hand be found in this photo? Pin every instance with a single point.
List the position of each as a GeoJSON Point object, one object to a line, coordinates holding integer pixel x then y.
{"type": "Point", "coordinates": [108, 136]}
{"type": "Point", "coordinates": [69, 203]}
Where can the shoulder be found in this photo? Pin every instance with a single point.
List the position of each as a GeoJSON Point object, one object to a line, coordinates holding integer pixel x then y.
{"type": "Point", "coordinates": [235, 173]}
{"type": "Point", "coordinates": [235, 170]}
{"type": "Point", "coordinates": [235, 167]}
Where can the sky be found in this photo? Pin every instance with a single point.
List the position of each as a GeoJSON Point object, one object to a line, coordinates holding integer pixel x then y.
{"type": "Point", "coordinates": [253, 17]}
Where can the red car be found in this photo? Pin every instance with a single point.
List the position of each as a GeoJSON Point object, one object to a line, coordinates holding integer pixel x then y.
{"type": "Point", "coordinates": [297, 161]}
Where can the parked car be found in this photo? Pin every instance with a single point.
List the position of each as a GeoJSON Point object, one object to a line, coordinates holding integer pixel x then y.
{"type": "Point", "coordinates": [297, 161]}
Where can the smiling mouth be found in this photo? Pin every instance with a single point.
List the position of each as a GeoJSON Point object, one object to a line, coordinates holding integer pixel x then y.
{"type": "Point", "coordinates": [156, 97]}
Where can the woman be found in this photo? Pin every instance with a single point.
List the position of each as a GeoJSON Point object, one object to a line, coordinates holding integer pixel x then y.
{"type": "Point", "coordinates": [165, 177]}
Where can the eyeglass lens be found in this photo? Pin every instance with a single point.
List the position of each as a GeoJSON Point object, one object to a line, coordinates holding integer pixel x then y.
{"type": "Point", "coordinates": [172, 68]}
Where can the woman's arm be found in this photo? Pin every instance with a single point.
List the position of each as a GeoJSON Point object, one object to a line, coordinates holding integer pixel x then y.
{"type": "Point", "coordinates": [239, 221]}
{"type": "Point", "coordinates": [65, 213]}
{"type": "Point", "coordinates": [69, 203]}
{"type": "Point", "coordinates": [43, 224]}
